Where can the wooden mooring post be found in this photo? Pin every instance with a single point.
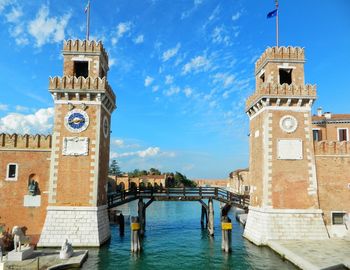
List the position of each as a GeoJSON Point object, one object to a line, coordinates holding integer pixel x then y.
{"type": "Point", "coordinates": [121, 222]}
{"type": "Point", "coordinates": [210, 217]}
{"type": "Point", "coordinates": [204, 217]}
{"type": "Point", "coordinates": [142, 216]}
{"type": "Point", "coordinates": [135, 234]}
{"type": "Point", "coordinates": [226, 228]}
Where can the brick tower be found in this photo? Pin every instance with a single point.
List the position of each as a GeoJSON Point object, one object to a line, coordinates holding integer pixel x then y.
{"type": "Point", "coordinates": [84, 103]}
{"type": "Point", "coordinates": [284, 197]}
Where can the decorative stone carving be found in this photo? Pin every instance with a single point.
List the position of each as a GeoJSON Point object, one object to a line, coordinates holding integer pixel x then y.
{"type": "Point", "coordinates": [288, 124]}
{"type": "Point", "coordinates": [19, 238]}
{"type": "Point", "coordinates": [75, 146]}
{"type": "Point", "coordinates": [66, 250]}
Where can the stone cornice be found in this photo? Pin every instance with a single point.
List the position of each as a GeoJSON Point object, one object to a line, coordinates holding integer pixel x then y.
{"type": "Point", "coordinates": [285, 91]}
{"type": "Point", "coordinates": [71, 87]}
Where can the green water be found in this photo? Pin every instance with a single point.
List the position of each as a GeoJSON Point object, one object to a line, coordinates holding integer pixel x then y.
{"type": "Point", "coordinates": [174, 240]}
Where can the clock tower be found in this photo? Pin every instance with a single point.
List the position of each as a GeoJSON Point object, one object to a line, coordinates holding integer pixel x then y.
{"type": "Point", "coordinates": [284, 201]}
{"type": "Point", "coordinates": [83, 102]}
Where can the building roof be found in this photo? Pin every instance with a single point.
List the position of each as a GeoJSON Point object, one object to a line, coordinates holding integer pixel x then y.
{"type": "Point", "coordinates": [333, 118]}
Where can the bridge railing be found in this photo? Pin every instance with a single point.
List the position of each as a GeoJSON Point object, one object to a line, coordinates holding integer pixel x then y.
{"type": "Point", "coordinates": [183, 193]}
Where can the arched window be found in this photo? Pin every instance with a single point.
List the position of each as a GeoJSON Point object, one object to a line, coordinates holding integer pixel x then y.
{"type": "Point", "coordinates": [12, 172]}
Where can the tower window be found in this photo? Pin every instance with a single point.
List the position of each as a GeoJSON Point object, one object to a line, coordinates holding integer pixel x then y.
{"type": "Point", "coordinates": [317, 135]}
{"type": "Point", "coordinates": [285, 76]}
{"type": "Point", "coordinates": [342, 134]}
{"type": "Point", "coordinates": [12, 170]}
{"type": "Point", "coordinates": [81, 68]}
{"type": "Point", "coordinates": [262, 78]}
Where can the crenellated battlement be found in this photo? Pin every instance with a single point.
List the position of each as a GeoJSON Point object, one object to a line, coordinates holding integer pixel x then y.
{"type": "Point", "coordinates": [332, 148]}
{"type": "Point", "coordinates": [17, 141]}
{"type": "Point", "coordinates": [80, 84]}
{"type": "Point", "coordinates": [280, 53]}
{"type": "Point", "coordinates": [283, 91]}
{"type": "Point", "coordinates": [84, 46]}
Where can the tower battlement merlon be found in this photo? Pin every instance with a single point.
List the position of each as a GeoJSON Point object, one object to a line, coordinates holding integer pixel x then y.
{"type": "Point", "coordinates": [25, 142]}
{"type": "Point", "coordinates": [84, 46]}
{"type": "Point", "coordinates": [280, 54]}
{"type": "Point", "coordinates": [332, 148]}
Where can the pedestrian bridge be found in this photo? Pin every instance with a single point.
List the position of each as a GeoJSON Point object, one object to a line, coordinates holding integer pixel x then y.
{"type": "Point", "coordinates": [178, 194]}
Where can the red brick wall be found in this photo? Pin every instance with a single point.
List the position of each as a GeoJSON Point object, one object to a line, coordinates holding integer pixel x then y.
{"type": "Point", "coordinates": [12, 211]}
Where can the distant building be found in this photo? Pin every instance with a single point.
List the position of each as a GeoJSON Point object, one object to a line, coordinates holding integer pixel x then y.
{"type": "Point", "coordinates": [212, 182]}
{"type": "Point", "coordinates": [125, 182]}
{"type": "Point", "coordinates": [239, 181]}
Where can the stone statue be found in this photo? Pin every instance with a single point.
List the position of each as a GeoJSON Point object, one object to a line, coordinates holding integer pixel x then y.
{"type": "Point", "coordinates": [33, 187]}
{"type": "Point", "coordinates": [66, 250]}
{"type": "Point", "coordinates": [19, 238]}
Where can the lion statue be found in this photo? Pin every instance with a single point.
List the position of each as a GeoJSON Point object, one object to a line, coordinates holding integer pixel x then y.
{"type": "Point", "coordinates": [19, 238]}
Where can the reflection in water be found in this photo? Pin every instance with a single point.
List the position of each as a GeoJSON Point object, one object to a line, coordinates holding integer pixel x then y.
{"type": "Point", "coordinates": [174, 240]}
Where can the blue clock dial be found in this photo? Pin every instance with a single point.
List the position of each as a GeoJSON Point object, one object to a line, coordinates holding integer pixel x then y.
{"type": "Point", "coordinates": [76, 121]}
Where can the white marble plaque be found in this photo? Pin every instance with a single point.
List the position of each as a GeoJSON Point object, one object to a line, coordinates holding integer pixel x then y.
{"type": "Point", "coordinates": [32, 201]}
{"type": "Point", "coordinates": [75, 146]}
{"type": "Point", "coordinates": [289, 149]}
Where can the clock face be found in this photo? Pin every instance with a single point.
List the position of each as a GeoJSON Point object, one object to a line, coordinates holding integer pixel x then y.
{"type": "Point", "coordinates": [76, 121]}
{"type": "Point", "coordinates": [105, 127]}
{"type": "Point", "coordinates": [288, 123]}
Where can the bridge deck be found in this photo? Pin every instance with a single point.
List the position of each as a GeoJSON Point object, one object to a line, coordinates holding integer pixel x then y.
{"type": "Point", "coordinates": [178, 194]}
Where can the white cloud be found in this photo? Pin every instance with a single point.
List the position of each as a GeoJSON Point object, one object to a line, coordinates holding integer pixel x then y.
{"type": "Point", "coordinates": [149, 152]}
{"type": "Point", "coordinates": [225, 78]}
{"type": "Point", "coordinates": [197, 64]}
{"type": "Point", "coordinates": [139, 39]}
{"type": "Point", "coordinates": [220, 36]}
{"type": "Point", "coordinates": [118, 142]}
{"type": "Point", "coordinates": [122, 29]}
{"type": "Point", "coordinates": [171, 52]}
{"type": "Point", "coordinates": [4, 4]}
{"type": "Point", "coordinates": [20, 108]}
{"type": "Point", "coordinates": [14, 15]}
{"type": "Point", "coordinates": [47, 29]}
{"type": "Point", "coordinates": [188, 91]}
{"type": "Point", "coordinates": [4, 107]}
{"type": "Point", "coordinates": [172, 91]}
{"type": "Point", "coordinates": [169, 79]}
{"type": "Point", "coordinates": [215, 13]}
{"type": "Point", "coordinates": [112, 61]}
{"type": "Point", "coordinates": [236, 16]}
{"type": "Point", "coordinates": [39, 122]}
{"type": "Point", "coordinates": [148, 81]}
{"type": "Point", "coordinates": [155, 88]}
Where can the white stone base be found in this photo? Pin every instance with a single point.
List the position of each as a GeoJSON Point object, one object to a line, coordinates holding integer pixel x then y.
{"type": "Point", "coordinates": [18, 256]}
{"type": "Point", "coordinates": [82, 226]}
{"type": "Point", "coordinates": [264, 224]}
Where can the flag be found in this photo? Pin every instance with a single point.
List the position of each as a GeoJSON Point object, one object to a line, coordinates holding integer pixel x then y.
{"type": "Point", "coordinates": [87, 7]}
{"type": "Point", "coordinates": [272, 14]}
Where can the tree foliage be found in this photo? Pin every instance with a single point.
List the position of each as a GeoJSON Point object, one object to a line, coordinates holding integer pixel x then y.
{"type": "Point", "coordinates": [114, 168]}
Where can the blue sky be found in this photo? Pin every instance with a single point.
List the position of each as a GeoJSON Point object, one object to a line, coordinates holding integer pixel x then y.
{"type": "Point", "coordinates": [181, 71]}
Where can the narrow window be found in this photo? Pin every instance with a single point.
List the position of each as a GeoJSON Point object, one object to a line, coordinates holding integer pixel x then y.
{"type": "Point", "coordinates": [285, 76]}
{"type": "Point", "coordinates": [317, 135]}
{"type": "Point", "coordinates": [343, 134]}
{"type": "Point", "coordinates": [11, 171]}
{"type": "Point", "coordinates": [262, 78]}
{"type": "Point", "coordinates": [81, 68]}
{"type": "Point", "coordinates": [338, 218]}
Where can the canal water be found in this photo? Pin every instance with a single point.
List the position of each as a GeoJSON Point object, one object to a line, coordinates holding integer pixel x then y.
{"type": "Point", "coordinates": [174, 240]}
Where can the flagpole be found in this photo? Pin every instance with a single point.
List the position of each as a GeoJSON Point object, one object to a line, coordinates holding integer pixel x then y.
{"type": "Point", "coordinates": [276, 2]}
{"type": "Point", "coordinates": [88, 22]}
